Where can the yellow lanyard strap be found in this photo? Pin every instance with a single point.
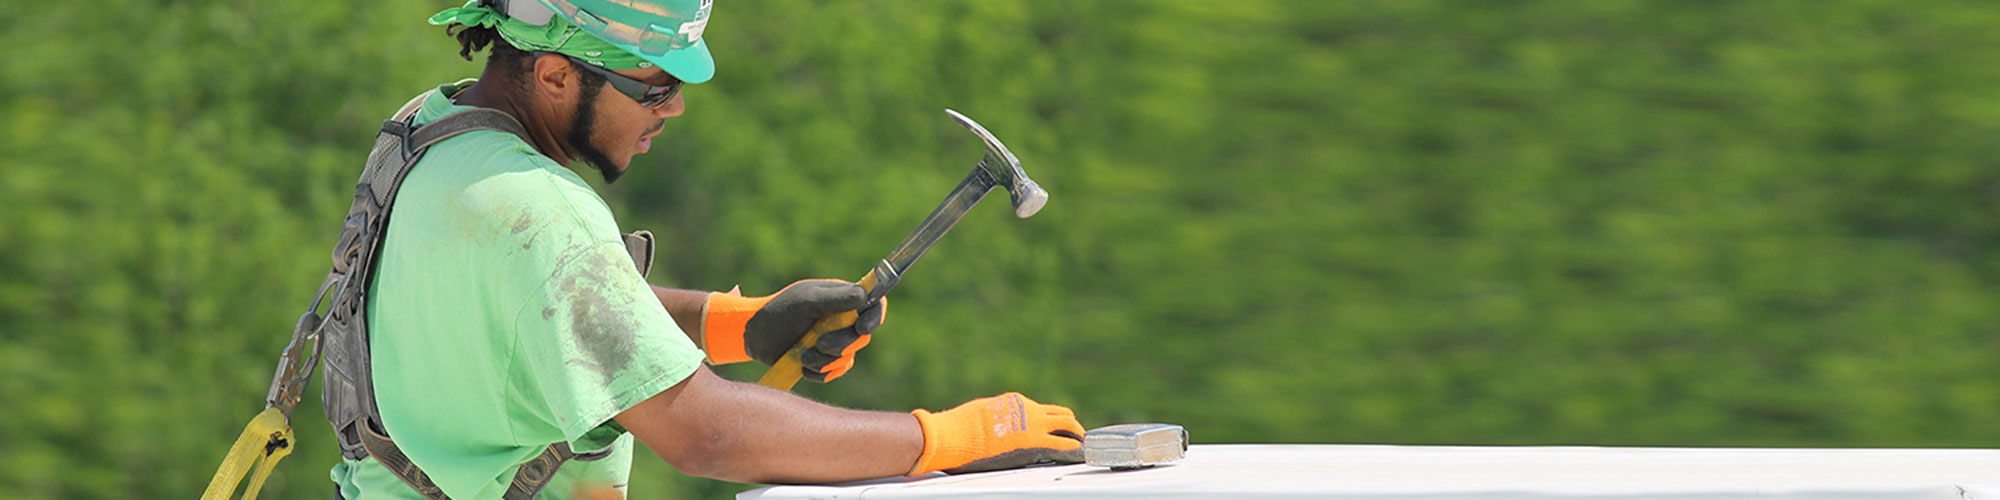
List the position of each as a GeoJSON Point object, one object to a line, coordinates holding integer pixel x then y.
{"type": "Point", "coordinates": [269, 438]}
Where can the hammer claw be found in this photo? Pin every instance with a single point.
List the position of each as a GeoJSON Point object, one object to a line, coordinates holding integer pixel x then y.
{"type": "Point", "coordinates": [1027, 196]}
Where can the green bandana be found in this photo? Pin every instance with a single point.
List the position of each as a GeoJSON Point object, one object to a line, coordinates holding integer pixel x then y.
{"type": "Point", "coordinates": [558, 36]}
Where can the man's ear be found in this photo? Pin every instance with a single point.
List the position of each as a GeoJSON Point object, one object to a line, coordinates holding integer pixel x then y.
{"type": "Point", "coordinates": [553, 77]}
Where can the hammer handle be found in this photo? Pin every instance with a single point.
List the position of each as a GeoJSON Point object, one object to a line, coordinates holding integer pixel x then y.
{"type": "Point", "coordinates": [787, 372]}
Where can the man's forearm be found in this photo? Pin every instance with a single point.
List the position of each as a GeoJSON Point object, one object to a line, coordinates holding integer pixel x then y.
{"type": "Point", "coordinates": [685, 307]}
{"type": "Point", "coordinates": [735, 431]}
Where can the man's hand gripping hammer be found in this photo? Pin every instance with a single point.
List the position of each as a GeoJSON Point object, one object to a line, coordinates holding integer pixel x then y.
{"type": "Point", "coordinates": [997, 169]}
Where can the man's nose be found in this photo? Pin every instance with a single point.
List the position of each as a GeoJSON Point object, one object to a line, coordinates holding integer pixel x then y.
{"type": "Point", "coordinates": [674, 107]}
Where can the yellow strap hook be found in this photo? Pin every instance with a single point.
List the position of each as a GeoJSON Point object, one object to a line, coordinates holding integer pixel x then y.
{"type": "Point", "coordinates": [267, 439]}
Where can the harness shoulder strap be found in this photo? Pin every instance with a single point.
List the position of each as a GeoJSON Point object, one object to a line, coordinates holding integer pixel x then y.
{"type": "Point", "coordinates": [348, 388]}
{"type": "Point", "coordinates": [466, 121]}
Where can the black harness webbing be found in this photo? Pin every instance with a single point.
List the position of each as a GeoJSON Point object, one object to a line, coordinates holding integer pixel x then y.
{"type": "Point", "coordinates": [348, 389]}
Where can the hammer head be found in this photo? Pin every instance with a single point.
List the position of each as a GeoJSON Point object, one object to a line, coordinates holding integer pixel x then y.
{"type": "Point", "coordinates": [1028, 197]}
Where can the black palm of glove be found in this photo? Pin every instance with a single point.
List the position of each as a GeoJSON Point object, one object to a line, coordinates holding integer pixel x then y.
{"type": "Point", "coordinates": [772, 324]}
{"type": "Point", "coordinates": [1021, 458]}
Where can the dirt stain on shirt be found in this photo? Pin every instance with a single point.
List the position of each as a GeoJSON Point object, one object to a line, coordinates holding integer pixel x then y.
{"type": "Point", "coordinates": [602, 325]}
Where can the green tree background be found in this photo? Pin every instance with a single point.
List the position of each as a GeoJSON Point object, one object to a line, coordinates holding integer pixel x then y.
{"type": "Point", "coordinates": [1420, 222]}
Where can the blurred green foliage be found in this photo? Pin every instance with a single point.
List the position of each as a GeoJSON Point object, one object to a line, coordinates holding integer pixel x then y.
{"type": "Point", "coordinates": [1612, 222]}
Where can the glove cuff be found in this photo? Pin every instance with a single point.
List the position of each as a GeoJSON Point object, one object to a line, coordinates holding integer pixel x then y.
{"type": "Point", "coordinates": [948, 442]}
{"type": "Point", "coordinates": [722, 321]}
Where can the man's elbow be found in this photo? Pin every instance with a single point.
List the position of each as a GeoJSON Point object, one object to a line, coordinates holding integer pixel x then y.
{"type": "Point", "coordinates": [713, 456]}
{"type": "Point", "coordinates": [702, 427]}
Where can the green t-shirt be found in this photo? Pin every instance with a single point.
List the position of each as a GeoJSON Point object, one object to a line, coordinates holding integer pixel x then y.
{"type": "Point", "coordinates": [505, 316]}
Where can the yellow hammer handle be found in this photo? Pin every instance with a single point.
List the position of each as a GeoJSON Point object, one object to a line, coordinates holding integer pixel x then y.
{"type": "Point", "coordinates": [787, 372]}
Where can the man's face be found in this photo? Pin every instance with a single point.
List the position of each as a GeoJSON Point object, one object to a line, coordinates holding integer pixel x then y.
{"type": "Point", "coordinates": [608, 129]}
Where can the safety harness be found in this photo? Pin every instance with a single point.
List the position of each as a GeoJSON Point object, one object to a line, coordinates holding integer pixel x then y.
{"type": "Point", "coordinates": [341, 337]}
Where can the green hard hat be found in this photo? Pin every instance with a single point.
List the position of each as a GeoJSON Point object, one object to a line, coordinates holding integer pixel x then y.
{"type": "Point", "coordinates": [666, 33]}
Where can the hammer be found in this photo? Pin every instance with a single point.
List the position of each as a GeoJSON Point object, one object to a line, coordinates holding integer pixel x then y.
{"type": "Point", "coordinates": [997, 169]}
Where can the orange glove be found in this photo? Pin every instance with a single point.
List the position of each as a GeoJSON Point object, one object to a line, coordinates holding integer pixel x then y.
{"type": "Point", "coordinates": [1001, 432]}
{"type": "Point", "coordinates": [735, 328]}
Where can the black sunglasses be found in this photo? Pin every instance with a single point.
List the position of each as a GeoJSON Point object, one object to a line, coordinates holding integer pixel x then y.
{"type": "Point", "coordinates": [651, 96]}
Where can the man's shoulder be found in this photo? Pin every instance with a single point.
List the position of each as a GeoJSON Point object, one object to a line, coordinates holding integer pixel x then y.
{"type": "Point", "coordinates": [481, 155]}
{"type": "Point", "coordinates": [492, 152]}
{"type": "Point", "coordinates": [492, 187]}
{"type": "Point", "coordinates": [494, 160]}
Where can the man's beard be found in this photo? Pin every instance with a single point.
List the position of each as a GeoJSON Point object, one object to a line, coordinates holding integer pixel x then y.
{"type": "Point", "coordinates": [580, 134]}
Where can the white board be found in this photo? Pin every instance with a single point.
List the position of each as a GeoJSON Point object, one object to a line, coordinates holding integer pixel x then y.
{"type": "Point", "coordinates": [1424, 472]}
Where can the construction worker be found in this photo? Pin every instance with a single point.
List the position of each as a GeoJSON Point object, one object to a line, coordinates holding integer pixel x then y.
{"type": "Point", "coordinates": [509, 320]}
